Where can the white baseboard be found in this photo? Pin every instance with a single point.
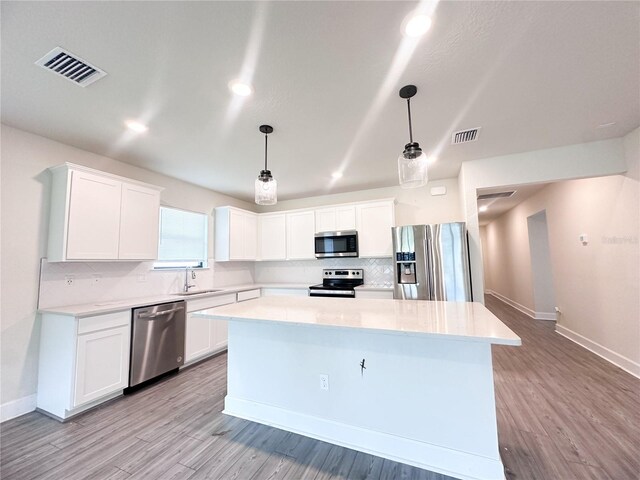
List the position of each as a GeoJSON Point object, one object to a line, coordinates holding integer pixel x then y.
{"type": "Point", "coordinates": [18, 407]}
{"type": "Point", "coordinates": [618, 360]}
{"type": "Point", "coordinates": [455, 463]}
{"type": "Point", "coordinates": [521, 308]}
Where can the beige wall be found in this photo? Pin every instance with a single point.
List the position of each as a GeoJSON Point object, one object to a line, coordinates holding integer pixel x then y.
{"type": "Point", "coordinates": [413, 206]}
{"type": "Point", "coordinates": [597, 286]}
{"type": "Point", "coordinates": [606, 157]}
{"type": "Point", "coordinates": [24, 221]}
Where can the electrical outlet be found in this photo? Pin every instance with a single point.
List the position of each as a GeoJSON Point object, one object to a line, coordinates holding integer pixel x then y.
{"type": "Point", "coordinates": [324, 382]}
{"type": "Point", "coordinates": [68, 279]}
{"type": "Point", "coordinates": [142, 278]}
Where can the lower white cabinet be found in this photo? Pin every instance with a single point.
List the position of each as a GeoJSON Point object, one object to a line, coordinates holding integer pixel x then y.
{"type": "Point", "coordinates": [205, 336]}
{"type": "Point", "coordinates": [102, 365]}
{"type": "Point", "coordinates": [379, 294]}
{"type": "Point", "coordinates": [83, 361]}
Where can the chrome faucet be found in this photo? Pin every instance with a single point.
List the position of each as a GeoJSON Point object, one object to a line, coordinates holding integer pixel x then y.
{"type": "Point", "coordinates": [187, 285]}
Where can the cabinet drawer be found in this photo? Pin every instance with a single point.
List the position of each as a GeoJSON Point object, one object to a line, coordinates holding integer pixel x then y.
{"type": "Point", "coordinates": [210, 302]}
{"type": "Point", "coordinates": [248, 295]}
{"type": "Point", "coordinates": [102, 322]}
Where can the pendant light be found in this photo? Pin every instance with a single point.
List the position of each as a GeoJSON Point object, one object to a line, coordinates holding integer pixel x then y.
{"type": "Point", "coordinates": [266, 185]}
{"type": "Point", "coordinates": [412, 163]}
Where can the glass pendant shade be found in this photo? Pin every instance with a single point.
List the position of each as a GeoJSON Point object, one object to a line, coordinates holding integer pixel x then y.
{"type": "Point", "coordinates": [266, 190]}
{"type": "Point", "coordinates": [412, 169]}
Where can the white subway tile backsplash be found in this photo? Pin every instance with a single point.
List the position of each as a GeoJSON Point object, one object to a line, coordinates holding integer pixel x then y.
{"type": "Point", "coordinates": [377, 271]}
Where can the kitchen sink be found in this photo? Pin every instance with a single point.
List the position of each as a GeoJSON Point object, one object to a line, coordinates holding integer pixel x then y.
{"type": "Point", "coordinates": [197, 292]}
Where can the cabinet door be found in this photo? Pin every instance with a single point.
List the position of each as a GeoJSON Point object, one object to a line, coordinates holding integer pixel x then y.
{"type": "Point", "coordinates": [139, 214]}
{"type": "Point", "coordinates": [374, 222]}
{"type": "Point", "coordinates": [93, 228]}
{"type": "Point", "coordinates": [219, 334]}
{"type": "Point", "coordinates": [272, 235]}
{"type": "Point", "coordinates": [346, 218]}
{"type": "Point", "coordinates": [102, 364]}
{"type": "Point", "coordinates": [236, 234]}
{"type": "Point", "coordinates": [197, 338]}
{"type": "Point", "coordinates": [250, 236]}
{"type": "Point", "coordinates": [300, 235]}
{"type": "Point", "coordinates": [326, 220]}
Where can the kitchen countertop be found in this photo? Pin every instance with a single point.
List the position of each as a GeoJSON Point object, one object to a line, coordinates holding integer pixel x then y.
{"type": "Point", "coordinates": [462, 321]}
{"type": "Point", "coordinates": [109, 306]}
{"type": "Point", "coordinates": [374, 287]}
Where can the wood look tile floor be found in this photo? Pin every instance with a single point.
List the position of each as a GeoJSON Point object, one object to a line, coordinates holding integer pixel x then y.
{"type": "Point", "coordinates": [563, 413]}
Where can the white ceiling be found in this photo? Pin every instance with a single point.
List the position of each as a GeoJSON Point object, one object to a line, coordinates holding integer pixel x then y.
{"type": "Point", "coordinates": [531, 74]}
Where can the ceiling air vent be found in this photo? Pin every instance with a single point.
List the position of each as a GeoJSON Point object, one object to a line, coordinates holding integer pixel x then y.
{"type": "Point", "coordinates": [464, 136]}
{"type": "Point", "coordinates": [71, 67]}
{"type": "Point", "coordinates": [488, 196]}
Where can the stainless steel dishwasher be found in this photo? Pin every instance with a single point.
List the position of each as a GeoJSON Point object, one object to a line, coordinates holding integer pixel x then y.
{"type": "Point", "coordinates": [157, 341]}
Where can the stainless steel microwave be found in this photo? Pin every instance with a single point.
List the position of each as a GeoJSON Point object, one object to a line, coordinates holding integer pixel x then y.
{"type": "Point", "coordinates": [337, 244]}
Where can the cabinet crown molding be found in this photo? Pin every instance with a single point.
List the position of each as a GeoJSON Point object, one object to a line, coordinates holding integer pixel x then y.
{"type": "Point", "coordinates": [82, 168]}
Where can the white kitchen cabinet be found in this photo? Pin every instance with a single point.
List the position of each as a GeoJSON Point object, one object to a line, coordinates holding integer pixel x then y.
{"type": "Point", "coordinates": [272, 236]}
{"type": "Point", "coordinates": [102, 365]}
{"type": "Point", "coordinates": [139, 223]}
{"type": "Point", "coordinates": [374, 221]}
{"type": "Point", "coordinates": [300, 235]}
{"type": "Point", "coordinates": [333, 219]}
{"type": "Point", "coordinates": [377, 294]}
{"type": "Point", "coordinates": [236, 234]}
{"type": "Point", "coordinates": [205, 336]}
{"type": "Point", "coordinates": [83, 361]}
{"type": "Point", "coordinates": [99, 216]}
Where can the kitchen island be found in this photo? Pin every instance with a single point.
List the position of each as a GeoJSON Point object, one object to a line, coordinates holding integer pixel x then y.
{"type": "Point", "coordinates": [407, 380]}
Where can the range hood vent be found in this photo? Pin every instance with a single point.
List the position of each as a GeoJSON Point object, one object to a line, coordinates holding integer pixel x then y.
{"type": "Point", "coordinates": [465, 136]}
{"type": "Point", "coordinates": [71, 67]}
{"type": "Point", "coordinates": [489, 196]}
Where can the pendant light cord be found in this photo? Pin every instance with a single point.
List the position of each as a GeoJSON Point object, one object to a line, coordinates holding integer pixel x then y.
{"type": "Point", "coordinates": [409, 112]}
{"type": "Point", "coordinates": [265, 151]}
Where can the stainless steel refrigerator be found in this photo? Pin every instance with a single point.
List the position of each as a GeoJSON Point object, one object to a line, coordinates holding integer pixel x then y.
{"type": "Point", "coordinates": [432, 262]}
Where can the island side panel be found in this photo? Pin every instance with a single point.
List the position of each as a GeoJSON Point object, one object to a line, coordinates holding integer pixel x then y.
{"type": "Point", "coordinates": [422, 401]}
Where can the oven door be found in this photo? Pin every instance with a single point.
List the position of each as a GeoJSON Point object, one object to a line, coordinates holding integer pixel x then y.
{"type": "Point", "coordinates": [336, 244]}
{"type": "Point", "coordinates": [332, 293]}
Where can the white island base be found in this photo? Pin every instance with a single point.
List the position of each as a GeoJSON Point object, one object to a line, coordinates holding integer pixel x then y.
{"type": "Point", "coordinates": [423, 398]}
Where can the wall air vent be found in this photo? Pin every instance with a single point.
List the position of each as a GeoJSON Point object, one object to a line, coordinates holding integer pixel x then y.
{"type": "Point", "coordinates": [465, 136]}
{"type": "Point", "coordinates": [489, 196]}
{"type": "Point", "coordinates": [71, 67]}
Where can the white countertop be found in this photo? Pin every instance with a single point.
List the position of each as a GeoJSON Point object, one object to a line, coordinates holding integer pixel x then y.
{"type": "Point", "coordinates": [108, 306]}
{"type": "Point", "coordinates": [463, 321]}
{"type": "Point", "coordinates": [375, 287]}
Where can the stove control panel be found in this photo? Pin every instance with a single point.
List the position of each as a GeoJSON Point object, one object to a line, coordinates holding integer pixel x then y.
{"type": "Point", "coordinates": [352, 273]}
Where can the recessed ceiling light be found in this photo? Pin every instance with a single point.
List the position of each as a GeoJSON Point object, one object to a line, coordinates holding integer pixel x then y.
{"type": "Point", "coordinates": [136, 126]}
{"type": "Point", "coordinates": [418, 25]}
{"type": "Point", "coordinates": [336, 175]}
{"type": "Point", "coordinates": [241, 89]}
{"type": "Point", "coordinates": [606, 125]}
{"type": "Point", "coordinates": [483, 208]}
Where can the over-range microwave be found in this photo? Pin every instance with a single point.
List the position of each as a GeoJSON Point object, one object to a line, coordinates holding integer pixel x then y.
{"type": "Point", "coordinates": [337, 244]}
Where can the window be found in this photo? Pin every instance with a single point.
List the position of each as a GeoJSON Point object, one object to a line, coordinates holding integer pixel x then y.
{"type": "Point", "coordinates": [183, 239]}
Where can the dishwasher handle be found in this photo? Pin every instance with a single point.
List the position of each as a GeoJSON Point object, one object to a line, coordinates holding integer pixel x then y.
{"type": "Point", "coordinates": [160, 314]}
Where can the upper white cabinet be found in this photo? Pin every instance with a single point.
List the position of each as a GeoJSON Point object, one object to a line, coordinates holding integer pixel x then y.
{"type": "Point", "coordinates": [236, 234]}
{"type": "Point", "coordinates": [138, 218]}
{"type": "Point", "coordinates": [374, 221]}
{"type": "Point", "coordinates": [333, 219]}
{"type": "Point", "coordinates": [98, 216]}
{"type": "Point", "coordinates": [272, 236]}
{"type": "Point", "coordinates": [300, 235]}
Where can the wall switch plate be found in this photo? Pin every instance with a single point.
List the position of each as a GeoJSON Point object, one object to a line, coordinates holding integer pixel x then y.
{"type": "Point", "coordinates": [324, 382]}
{"type": "Point", "coordinates": [68, 280]}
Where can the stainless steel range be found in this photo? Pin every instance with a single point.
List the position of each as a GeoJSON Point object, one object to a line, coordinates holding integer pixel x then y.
{"type": "Point", "coordinates": [338, 283]}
